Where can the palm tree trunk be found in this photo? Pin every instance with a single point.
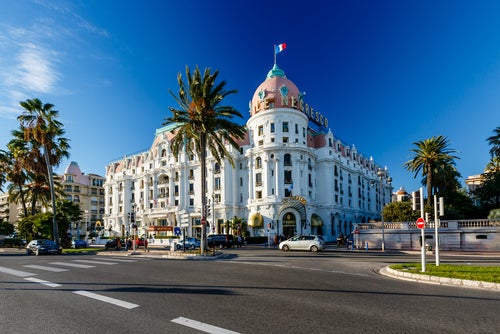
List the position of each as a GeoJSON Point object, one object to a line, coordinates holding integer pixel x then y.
{"type": "Point", "coordinates": [429, 186]}
{"type": "Point", "coordinates": [203, 162]}
{"type": "Point", "coordinates": [52, 195]}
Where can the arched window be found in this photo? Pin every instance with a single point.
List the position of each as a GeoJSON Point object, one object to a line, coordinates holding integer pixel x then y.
{"type": "Point", "coordinates": [258, 162]}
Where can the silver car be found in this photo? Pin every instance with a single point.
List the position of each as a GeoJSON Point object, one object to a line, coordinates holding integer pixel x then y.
{"type": "Point", "coordinates": [307, 242]}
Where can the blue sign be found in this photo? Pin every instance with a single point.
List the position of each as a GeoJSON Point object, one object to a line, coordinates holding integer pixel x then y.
{"type": "Point", "coordinates": [177, 230]}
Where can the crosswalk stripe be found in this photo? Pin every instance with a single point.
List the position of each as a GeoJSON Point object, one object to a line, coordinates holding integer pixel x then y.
{"type": "Point", "coordinates": [35, 266]}
{"type": "Point", "coordinates": [76, 265]}
{"type": "Point", "coordinates": [96, 262]}
{"type": "Point", "coordinates": [14, 272]}
{"type": "Point", "coordinates": [113, 259]}
{"type": "Point", "coordinates": [105, 299]}
{"type": "Point", "coordinates": [41, 281]}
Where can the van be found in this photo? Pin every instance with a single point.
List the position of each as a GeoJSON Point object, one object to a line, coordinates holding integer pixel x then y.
{"type": "Point", "coordinates": [220, 240]}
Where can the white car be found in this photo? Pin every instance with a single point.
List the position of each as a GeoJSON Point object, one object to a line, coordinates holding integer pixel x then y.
{"type": "Point", "coordinates": [307, 242]}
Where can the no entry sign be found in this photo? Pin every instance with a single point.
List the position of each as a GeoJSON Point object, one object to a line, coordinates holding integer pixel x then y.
{"type": "Point", "coordinates": [420, 222]}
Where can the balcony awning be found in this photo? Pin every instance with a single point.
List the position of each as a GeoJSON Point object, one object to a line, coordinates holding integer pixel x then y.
{"type": "Point", "coordinates": [256, 220]}
{"type": "Point", "coordinates": [316, 220]}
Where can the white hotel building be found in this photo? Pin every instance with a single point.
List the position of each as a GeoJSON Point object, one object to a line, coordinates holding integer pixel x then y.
{"type": "Point", "coordinates": [291, 176]}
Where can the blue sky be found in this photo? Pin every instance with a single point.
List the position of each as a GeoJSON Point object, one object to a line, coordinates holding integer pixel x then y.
{"type": "Point", "coordinates": [385, 73]}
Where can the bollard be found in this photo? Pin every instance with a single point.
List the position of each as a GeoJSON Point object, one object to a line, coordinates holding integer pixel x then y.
{"type": "Point", "coordinates": [366, 246]}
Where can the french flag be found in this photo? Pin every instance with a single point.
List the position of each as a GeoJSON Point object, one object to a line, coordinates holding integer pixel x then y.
{"type": "Point", "coordinates": [279, 48]}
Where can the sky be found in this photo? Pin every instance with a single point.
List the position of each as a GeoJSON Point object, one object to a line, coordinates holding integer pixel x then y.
{"type": "Point", "coordinates": [385, 73]}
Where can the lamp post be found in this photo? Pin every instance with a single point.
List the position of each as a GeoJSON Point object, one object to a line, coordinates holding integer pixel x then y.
{"type": "Point", "coordinates": [382, 173]}
{"type": "Point", "coordinates": [86, 225]}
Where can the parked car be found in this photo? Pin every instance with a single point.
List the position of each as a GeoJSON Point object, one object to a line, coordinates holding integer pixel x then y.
{"type": "Point", "coordinates": [111, 243]}
{"type": "Point", "coordinates": [79, 243]}
{"type": "Point", "coordinates": [220, 240]}
{"type": "Point", "coordinates": [141, 242]}
{"type": "Point", "coordinates": [309, 242]}
{"type": "Point", "coordinates": [190, 243]}
{"type": "Point", "coordinates": [43, 246]}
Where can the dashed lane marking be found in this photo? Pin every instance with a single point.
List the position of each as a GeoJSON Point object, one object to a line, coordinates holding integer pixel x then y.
{"type": "Point", "coordinates": [202, 326]}
{"type": "Point", "coordinates": [105, 299]}
{"type": "Point", "coordinates": [41, 281]}
{"type": "Point", "coordinates": [55, 270]}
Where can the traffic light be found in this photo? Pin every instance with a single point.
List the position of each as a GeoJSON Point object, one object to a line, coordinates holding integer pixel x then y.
{"type": "Point", "coordinates": [132, 217]}
{"type": "Point", "coordinates": [208, 209]}
{"type": "Point", "coordinates": [415, 199]}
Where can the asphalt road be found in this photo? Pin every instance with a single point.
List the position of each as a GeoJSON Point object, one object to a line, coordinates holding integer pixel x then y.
{"type": "Point", "coordinates": [246, 291]}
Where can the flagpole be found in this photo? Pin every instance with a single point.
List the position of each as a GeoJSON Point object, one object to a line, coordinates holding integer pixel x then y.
{"type": "Point", "coordinates": [274, 51]}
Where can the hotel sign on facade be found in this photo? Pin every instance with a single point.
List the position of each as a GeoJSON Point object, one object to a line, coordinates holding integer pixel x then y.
{"type": "Point", "coordinates": [295, 103]}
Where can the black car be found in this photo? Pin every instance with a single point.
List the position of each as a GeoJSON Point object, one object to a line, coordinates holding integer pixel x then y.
{"type": "Point", "coordinates": [220, 240]}
{"type": "Point", "coordinates": [43, 246]}
{"type": "Point", "coordinates": [111, 243]}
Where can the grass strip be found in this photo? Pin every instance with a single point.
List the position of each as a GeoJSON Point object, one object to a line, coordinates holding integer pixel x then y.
{"type": "Point", "coordinates": [467, 272]}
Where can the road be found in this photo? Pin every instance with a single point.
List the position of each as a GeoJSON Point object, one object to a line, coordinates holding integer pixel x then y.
{"type": "Point", "coordinates": [246, 291]}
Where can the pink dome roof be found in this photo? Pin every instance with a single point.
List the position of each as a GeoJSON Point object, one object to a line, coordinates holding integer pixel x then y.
{"type": "Point", "coordinates": [276, 88]}
{"type": "Point", "coordinates": [73, 169]}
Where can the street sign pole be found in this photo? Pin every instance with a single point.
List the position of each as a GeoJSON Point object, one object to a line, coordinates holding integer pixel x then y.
{"type": "Point", "coordinates": [422, 248]}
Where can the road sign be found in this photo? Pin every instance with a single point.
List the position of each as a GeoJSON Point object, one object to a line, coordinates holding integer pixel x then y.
{"type": "Point", "coordinates": [420, 222]}
{"type": "Point", "coordinates": [177, 230]}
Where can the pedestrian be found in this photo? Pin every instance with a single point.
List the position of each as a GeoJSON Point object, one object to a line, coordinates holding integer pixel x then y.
{"type": "Point", "coordinates": [239, 242]}
{"type": "Point", "coordinates": [276, 240]}
{"type": "Point", "coordinates": [145, 244]}
{"type": "Point", "coordinates": [126, 245]}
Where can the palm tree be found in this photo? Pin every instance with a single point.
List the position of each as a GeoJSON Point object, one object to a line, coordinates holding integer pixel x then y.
{"type": "Point", "coordinates": [201, 123]}
{"type": "Point", "coordinates": [494, 141]}
{"type": "Point", "coordinates": [431, 157]}
{"type": "Point", "coordinates": [44, 132]}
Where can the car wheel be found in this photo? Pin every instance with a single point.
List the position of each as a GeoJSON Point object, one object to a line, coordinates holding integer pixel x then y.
{"type": "Point", "coordinates": [314, 248]}
{"type": "Point", "coordinates": [178, 246]}
{"type": "Point", "coordinates": [285, 248]}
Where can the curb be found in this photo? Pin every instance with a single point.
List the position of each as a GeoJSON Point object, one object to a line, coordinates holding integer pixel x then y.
{"type": "Point", "coordinates": [422, 278]}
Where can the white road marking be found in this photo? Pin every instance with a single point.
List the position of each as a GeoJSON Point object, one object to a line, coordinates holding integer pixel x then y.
{"type": "Point", "coordinates": [72, 265]}
{"type": "Point", "coordinates": [41, 281]}
{"type": "Point", "coordinates": [14, 272]}
{"type": "Point", "coordinates": [96, 262]}
{"type": "Point", "coordinates": [105, 299]}
{"type": "Point", "coordinates": [117, 260]}
{"type": "Point", "coordinates": [35, 266]}
{"type": "Point", "coordinates": [202, 326]}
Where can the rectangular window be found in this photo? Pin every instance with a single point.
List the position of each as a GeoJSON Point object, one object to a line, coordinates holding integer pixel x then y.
{"type": "Point", "coordinates": [217, 183]}
{"type": "Point", "coordinates": [272, 127]}
{"type": "Point", "coordinates": [285, 126]}
{"type": "Point", "coordinates": [258, 179]}
{"type": "Point", "coordinates": [261, 130]}
{"type": "Point", "coordinates": [296, 129]}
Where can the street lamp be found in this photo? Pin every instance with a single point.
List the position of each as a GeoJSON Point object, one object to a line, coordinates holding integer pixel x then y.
{"type": "Point", "coordinates": [382, 173]}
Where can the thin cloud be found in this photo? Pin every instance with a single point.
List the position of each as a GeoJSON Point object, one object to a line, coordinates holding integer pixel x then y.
{"type": "Point", "coordinates": [35, 70]}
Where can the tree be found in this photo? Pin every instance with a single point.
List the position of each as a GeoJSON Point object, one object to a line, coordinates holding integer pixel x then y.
{"type": "Point", "coordinates": [494, 141]}
{"type": "Point", "coordinates": [44, 133]}
{"type": "Point", "coordinates": [431, 157]}
{"type": "Point", "coordinates": [400, 212]}
{"type": "Point", "coordinates": [201, 123]}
